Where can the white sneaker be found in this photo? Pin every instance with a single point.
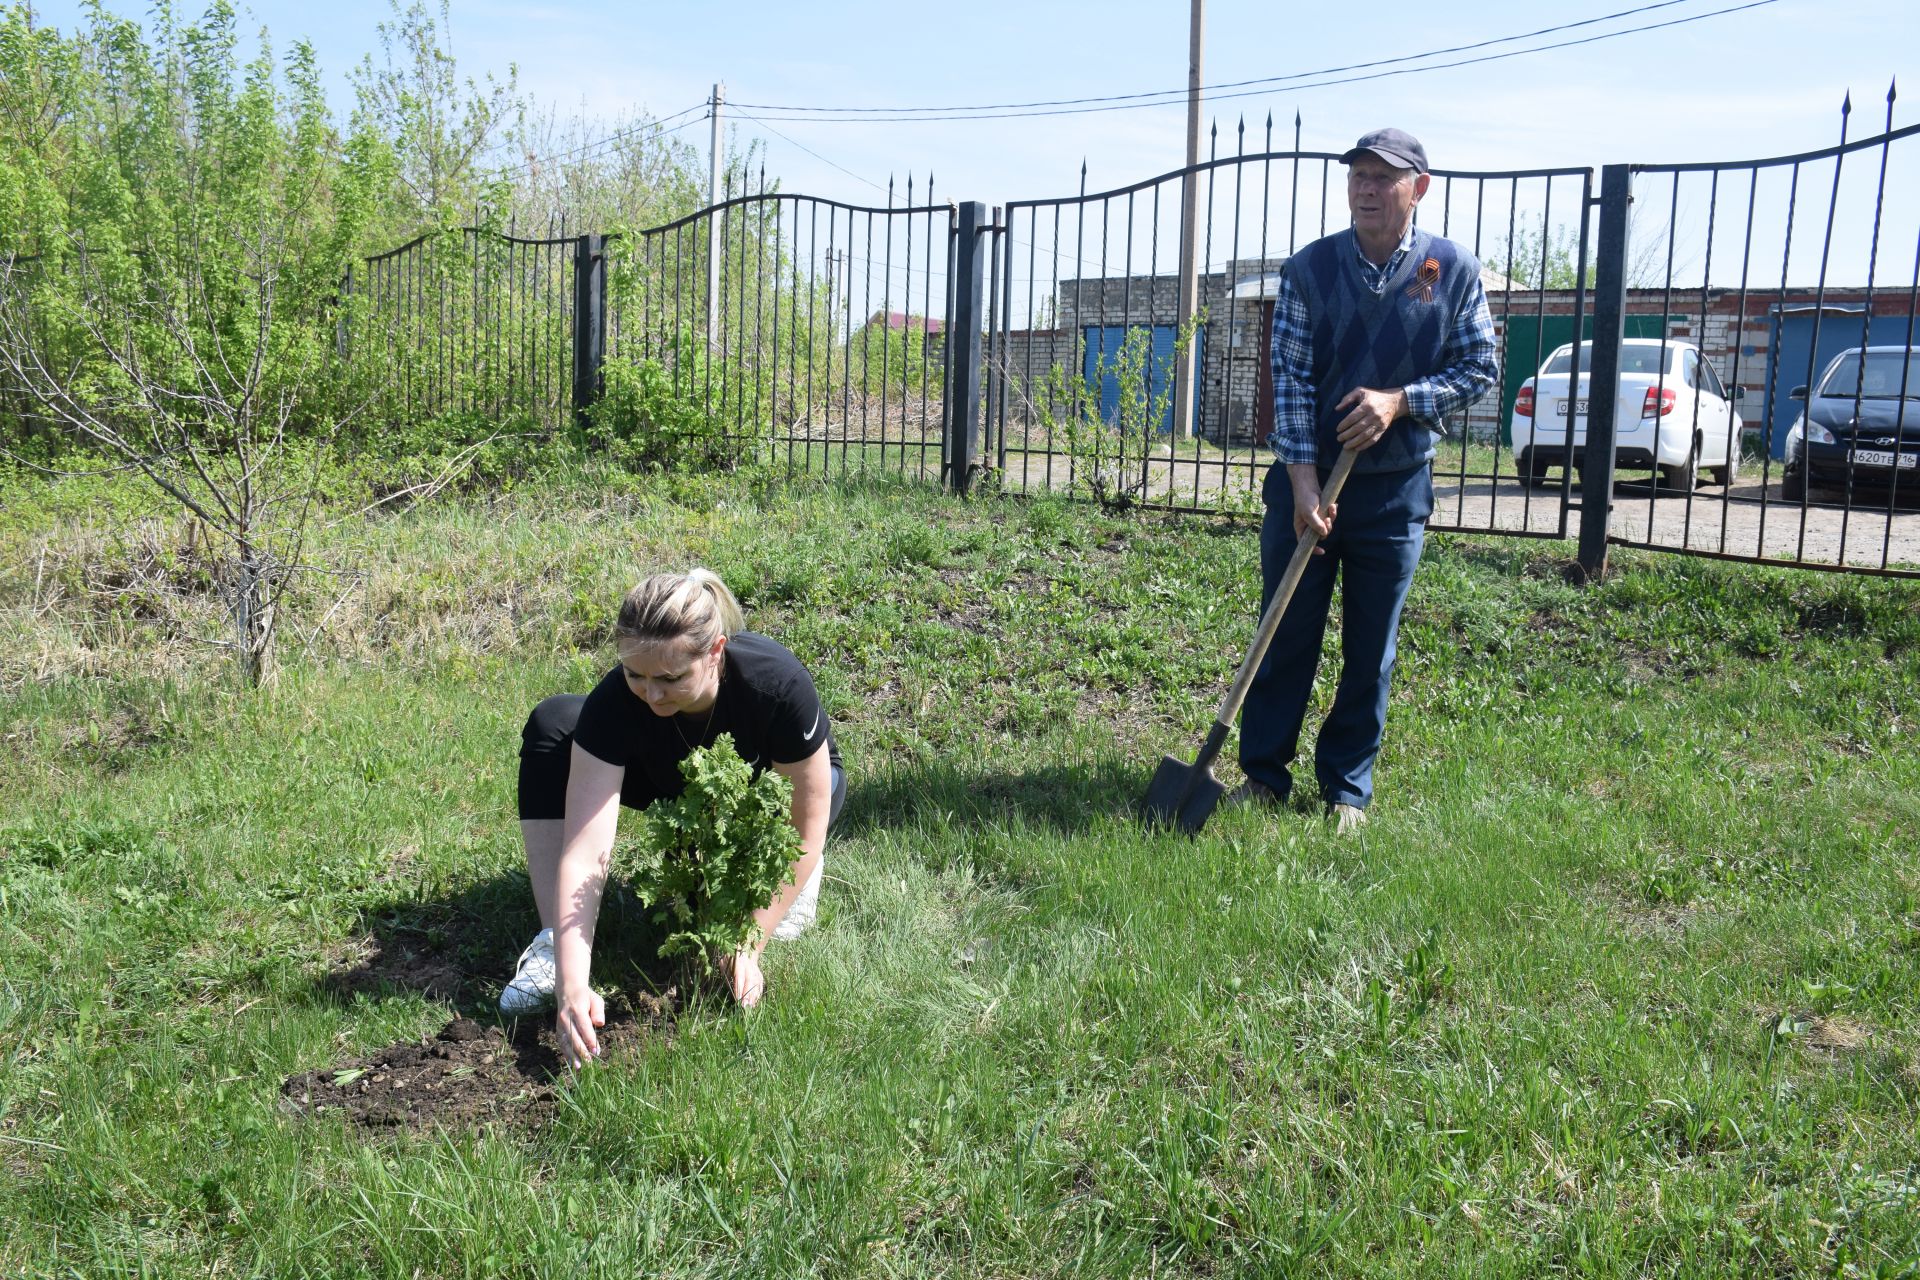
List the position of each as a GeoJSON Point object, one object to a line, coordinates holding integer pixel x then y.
{"type": "Point", "coordinates": [533, 977]}
{"type": "Point", "coordinates": [800, 915]}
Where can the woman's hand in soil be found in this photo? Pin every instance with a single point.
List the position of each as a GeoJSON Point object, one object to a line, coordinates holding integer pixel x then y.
{"type": "Point", "coordinates": [743, 975]}
{"type": "Point", "coordinates": [573, 1027]}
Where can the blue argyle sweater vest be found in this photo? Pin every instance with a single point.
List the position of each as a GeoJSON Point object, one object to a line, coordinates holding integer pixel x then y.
{"type": "Point", "coordinates": [1364, 339]}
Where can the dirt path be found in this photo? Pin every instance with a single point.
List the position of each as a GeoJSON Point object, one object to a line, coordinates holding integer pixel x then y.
{"type": "Point", "coordinates": [1742, 521]}
{"type": "Point", "coordinates": [1745, 520]}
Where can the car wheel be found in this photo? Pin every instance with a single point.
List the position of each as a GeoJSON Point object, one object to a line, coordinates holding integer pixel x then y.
{"type": "Point", "coordinates": [1793, 484]}
{"type": "Point", "coordinates": [1531, 473]}
{"type": "Point", "coordinates": [1681, 479]}
{"type": "Point", "coordinates": [1726, 475]}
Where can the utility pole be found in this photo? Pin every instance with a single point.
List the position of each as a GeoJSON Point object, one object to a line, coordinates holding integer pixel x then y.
{"type": "Point", "coordinates": [713, 222]}
{"type": "Point", "coordinates": [833, 287]}
{"type": "Point", "coordinates": [1189, 231]}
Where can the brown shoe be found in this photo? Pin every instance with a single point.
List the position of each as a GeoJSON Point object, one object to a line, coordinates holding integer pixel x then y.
{"type": "Point", "coordinates": [1346, 817]}
{"type": "Point", "coordinates": [1251, 793]}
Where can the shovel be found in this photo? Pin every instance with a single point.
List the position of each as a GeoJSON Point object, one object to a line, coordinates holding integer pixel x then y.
{"type": "Point", "coordinates": [1184, 795]}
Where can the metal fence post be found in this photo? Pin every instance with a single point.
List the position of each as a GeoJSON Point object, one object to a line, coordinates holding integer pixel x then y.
{"type": "Point", "coordinates": [963, 348]}
{"type": "Point", "coordinates": [1603, 382]}
{"type": "Point", "coordinates": [589, 323]}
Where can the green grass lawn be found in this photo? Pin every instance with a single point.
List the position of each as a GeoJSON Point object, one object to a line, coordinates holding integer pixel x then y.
{"type": "Point", "coordinates": [1621, 979]}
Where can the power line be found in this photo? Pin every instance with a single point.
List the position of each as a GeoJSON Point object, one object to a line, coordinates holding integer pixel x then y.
{"type": "Point", "coordinates": [901, 118]}
{"type": "Point", "coordinates": [1234, 84]}
{"type": "Point", "coordinates": [809, 150]}
{"type": "Point", "coordinates": [656, 125]}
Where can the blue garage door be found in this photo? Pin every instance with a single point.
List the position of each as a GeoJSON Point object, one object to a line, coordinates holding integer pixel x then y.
{"type": "Point", "coordinates": [1103, 354]}
{"type": "Point", "coordinates": [1792, 350]}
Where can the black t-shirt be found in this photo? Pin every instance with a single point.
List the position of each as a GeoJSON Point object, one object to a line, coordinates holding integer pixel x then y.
{"type": "Point", "coordinates": [767, 702]}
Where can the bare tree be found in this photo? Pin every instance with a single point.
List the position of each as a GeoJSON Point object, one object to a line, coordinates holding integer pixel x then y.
{"type": "Point", "coordinates": [216, 440]}
{"type": "Point", "coordinates": [224, 424]}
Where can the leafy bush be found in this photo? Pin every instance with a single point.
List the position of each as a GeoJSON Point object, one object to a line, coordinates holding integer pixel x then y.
{"type": "Point", "coordinates": [1110, 449]}
{"type": "Point", "coordinates": [708, 859]}
{"type": "Point", "coordinates": [652, 415]}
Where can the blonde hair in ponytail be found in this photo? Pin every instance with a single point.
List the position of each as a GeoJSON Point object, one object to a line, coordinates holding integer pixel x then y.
{"type": "Point", "coordinates": [693, 608]}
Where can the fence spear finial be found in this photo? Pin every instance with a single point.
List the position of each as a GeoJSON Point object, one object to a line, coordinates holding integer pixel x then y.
{"type": "Point", "coordinates": [1893, 90]}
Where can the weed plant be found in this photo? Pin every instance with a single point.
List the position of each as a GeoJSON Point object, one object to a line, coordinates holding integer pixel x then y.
{"type": "Point", "coordinates": [1619, 981]}
{"type": "Point", "coordinates": [709, 858]}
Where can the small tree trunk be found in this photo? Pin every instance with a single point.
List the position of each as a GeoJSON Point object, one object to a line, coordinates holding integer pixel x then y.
{"type": "Point", "coordinates": [253, 615]}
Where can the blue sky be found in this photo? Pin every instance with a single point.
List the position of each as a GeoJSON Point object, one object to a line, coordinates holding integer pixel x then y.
{"type": "Point", "coordinates": [1764, 80]}
{"type": "Point", "coordinates": [1759, 82]}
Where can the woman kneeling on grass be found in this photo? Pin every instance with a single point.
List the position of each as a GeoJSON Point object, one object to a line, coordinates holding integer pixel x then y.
{"type": "Point", "coordinates": [688, 673]}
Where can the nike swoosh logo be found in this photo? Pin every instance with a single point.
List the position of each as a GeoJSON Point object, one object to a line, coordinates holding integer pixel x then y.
{"type": "Point", "coordinates": [808, 735]}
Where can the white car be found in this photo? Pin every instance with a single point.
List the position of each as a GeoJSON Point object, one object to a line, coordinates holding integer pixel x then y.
{"type": "Point", "coordinates": [1673, 415]}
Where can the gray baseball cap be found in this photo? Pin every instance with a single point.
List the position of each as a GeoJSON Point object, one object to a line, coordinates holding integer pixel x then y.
{"type": "Point", "coordinates": [1396, 146]}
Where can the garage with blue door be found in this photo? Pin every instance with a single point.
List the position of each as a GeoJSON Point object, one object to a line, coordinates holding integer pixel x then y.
{"type": "Point", "coordinates": [1102, 354]}
{"type": "Point", "coordinates": [1804, 339]}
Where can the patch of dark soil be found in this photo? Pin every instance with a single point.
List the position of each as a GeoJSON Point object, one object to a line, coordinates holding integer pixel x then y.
{"type": "Point", "coordinates": [470, 1073]}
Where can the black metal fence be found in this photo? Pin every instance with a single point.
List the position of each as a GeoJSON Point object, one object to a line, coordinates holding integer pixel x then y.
{"type": "Point", "coordinates": [808, 330]}
{"type": "Point", "coordinates": [1090, 362]}
{"type": "Point", "coordinates": [1798, 260]}
{"type": "Point", "coordinates": [468, 321]}
{"type": "Point", "coordinates": [1654, 327]}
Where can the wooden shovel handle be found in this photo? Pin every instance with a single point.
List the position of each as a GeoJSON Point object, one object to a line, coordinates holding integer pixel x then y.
{"type": "Point", "coordinates": [1270, 620]}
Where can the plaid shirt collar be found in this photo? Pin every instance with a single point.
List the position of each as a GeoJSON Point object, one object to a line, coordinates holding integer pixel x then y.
{"type": "Point", "coordinates": [1376, 277]}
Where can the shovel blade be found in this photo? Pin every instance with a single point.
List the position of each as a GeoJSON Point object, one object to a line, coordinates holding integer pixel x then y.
{"type": "Point", "coordinates": [1181, 796]}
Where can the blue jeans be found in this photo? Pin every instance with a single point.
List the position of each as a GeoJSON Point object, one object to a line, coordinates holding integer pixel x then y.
{"type": "Point", "coordinates": [1374, 548]}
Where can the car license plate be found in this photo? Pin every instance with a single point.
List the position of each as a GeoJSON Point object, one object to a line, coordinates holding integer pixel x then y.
{"type": "Point", "coordinates": [1579, 408]}
{"type": "Point", "coordinates": [1884, 458]}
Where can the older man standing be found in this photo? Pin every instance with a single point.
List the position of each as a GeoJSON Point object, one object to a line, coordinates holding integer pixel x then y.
{"type": "Point", "coordinates": [1379, 332]}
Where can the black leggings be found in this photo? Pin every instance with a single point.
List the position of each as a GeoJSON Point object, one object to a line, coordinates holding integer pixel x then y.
{"type": "Point", "coordinates": [546, 752]}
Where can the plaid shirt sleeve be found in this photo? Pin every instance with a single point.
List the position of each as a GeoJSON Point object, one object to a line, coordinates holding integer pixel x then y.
{"type": "Point", "coordinates": [1292, 355]}
{"type": "Point", "coordinates": [1470, 369]}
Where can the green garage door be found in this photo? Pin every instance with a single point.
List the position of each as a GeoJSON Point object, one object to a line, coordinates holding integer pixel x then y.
{"type": "Point", "coordinates": [1528, 348]}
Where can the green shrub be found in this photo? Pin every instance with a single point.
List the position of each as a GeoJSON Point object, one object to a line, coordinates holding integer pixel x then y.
{"type": "Point", "coordinates": [651, 416]}
{"type": "Point", "coordinates": [709, 858]}
{"type": "Point", "coordinates": [1109, 448]}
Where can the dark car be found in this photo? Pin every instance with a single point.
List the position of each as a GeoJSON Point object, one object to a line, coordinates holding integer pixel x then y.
{"type": "Point", "coordinates": [1861, 428]}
